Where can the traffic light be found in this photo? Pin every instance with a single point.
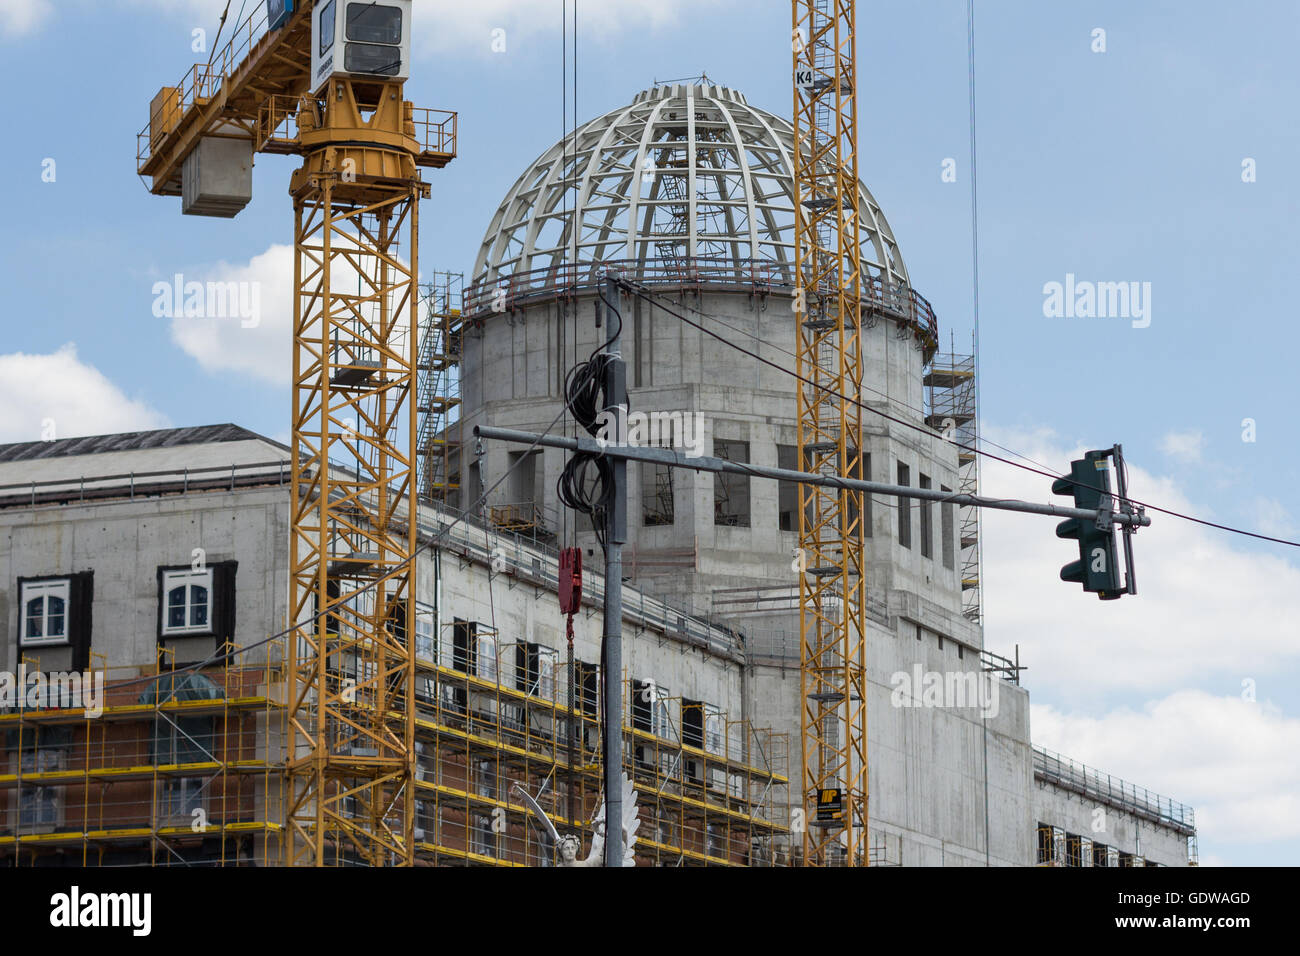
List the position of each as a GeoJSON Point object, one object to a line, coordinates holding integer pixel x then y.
{"type": "Point", "coordinates": [1089, 484]}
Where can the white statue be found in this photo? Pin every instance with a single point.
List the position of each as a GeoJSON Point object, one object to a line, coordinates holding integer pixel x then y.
{"type": "Point", "coordinates": [569, 846]}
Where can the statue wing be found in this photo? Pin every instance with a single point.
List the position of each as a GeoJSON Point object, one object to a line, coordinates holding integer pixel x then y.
{"type": "Point", "coordinates": [631, 822]}
{"type": "Point", "coordinates": [540, 814]}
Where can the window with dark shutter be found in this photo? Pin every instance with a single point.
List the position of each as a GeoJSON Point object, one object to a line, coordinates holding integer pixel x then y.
{"type": "Point", "coordinates": [197, 602]}
{"type": "Point", "coordinates": [57, 612]}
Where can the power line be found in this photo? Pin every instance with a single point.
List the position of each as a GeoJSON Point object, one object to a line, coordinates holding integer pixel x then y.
{"type": "Point", "coordinates": [650, 295]}
{"type": "Point", "coordinates": [713, 320]}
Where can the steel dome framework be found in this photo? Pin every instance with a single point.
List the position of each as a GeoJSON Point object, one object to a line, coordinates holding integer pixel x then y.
{"type": "Point", "coordinates": [686, 174]}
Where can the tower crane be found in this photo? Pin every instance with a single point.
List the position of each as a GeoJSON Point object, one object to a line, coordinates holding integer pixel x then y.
{"type": "Point", "coordinates": [832, 590]}
{"type": "Point", "coordinates": [324, 80]}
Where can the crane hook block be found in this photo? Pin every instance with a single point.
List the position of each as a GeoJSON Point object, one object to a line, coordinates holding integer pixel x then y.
{"type": "Point", "coordinates": [570, 580]}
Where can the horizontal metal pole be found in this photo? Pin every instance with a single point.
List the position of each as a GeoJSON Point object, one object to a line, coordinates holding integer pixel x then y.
{"type": "Point", "coordinates": [676, 459]}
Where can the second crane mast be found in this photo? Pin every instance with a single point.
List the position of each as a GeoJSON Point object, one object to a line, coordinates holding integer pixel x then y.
{"type": "Point", "coordinates": [830, 362]}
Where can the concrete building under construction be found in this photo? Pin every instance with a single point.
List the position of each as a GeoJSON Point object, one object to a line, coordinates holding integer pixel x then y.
{"type": "Point", "coordinates": [138, 557]}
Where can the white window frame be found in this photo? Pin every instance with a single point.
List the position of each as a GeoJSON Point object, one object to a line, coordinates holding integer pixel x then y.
{"type": "Point", "coordinates": [661, 722]}
{"type": "Point", "coordinates": [188, 579]}
{"type": "Point", "coordinates": [715, 841]}
{"type": "Point", "coordinates": [33, 804]}
{"type": "Point", "coordinates": [31, 590]}
{"type": "Point", "coordinates": [487, 666]}
{"type": "Point", "coordinates": [180, 797]}
{"type": "Point", "coordinates": [41, 796]}
{"type": "Point", "coordinates": [483, 839]}
{"type": "Point", "coordinates": [546, 661]}
{"type": "Point", "coordinates": [714, 731]}
{"type": "Point", "coordinates": [426, 633]}
{"type": "Point", "coordinates": [486, 778]}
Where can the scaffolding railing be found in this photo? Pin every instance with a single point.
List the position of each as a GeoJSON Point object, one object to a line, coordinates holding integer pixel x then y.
{"type": "Point", "coordinates": [1139, 801]}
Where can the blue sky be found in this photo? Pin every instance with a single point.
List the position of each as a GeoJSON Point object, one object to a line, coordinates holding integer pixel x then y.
{"type": "Point", "coordinates": [1117, 166]}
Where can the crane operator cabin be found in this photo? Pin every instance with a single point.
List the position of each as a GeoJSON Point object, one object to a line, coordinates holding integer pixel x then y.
{"type": "Point", "coordinates": [361, 38]}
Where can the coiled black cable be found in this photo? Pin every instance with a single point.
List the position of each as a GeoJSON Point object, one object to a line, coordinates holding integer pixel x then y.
{"type": "Point", "coordinates": [587, 483]}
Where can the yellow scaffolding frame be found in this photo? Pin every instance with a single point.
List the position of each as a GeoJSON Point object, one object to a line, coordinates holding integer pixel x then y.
{"type": "Point", "coordinates": [480, 736]}
{"type": "Point", "coordinates": [107, 770]}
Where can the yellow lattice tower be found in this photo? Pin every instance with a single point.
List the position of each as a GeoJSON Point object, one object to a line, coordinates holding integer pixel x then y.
{"type": "Point", "coordinates": [832, 585]}
{"type": "Point", "coordinates": [350, 738]}
{"type": "Point", "coordinates": [356, 203]}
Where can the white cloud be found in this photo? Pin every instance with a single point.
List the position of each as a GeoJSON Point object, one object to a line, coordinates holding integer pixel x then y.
{"type": "Point", "coordinates": [1230, 759]}
{"type": "Point", "coordinates": [1273, 518]}
{"type": "Point", "coordinates": [19, 17]}
{"type": "Point", "coordinates": [59, 390]}
{"type": "Point", "coordinates": [451, 26]}
{"type": "Point", "coordinates": [1184, 446]}
{"type": "Point", "coordinates": [259, 348]}
{"type": "Point", "coordinates": [1210, 607]}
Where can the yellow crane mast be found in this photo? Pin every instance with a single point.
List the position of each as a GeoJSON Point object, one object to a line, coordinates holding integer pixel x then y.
{"type": "Point", "coordinates": [324, 79]}
{"type": "Point", "coordinates": [830, 362]}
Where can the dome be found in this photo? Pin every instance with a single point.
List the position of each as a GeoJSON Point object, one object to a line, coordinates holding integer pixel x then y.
{"type": "Point", "coordinates": [686, 176]}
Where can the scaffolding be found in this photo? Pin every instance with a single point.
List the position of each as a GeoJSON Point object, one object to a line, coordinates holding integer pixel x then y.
{"type": "Point", "coordinates": [491, 716]}
{"type": "Point", "coordinates": [439, 402]}
{"type": "Point", "coordinates": [1058, 848]}
{"type": "Point", "coordinates": [179, 767]}
{"type": "Point", "coordinates": [185, 767]}
{"type": "Point", "coordinates": [952, 411]}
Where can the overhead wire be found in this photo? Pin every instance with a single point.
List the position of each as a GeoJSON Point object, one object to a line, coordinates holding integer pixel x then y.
{"type": "Point", "coordinates": [648, 294]}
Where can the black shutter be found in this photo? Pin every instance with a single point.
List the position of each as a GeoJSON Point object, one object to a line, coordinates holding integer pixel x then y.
{"type": "Point", "coordinates": [82, 595]}
{"type": "Point", "coordinates": [460, 646]}
{"type": "Point", "coordinates": [641, 705]}
{"type": "Point", "coordinates": [528, 667]}
{"type": "Point", "coordinates": [223, 602]}
{"type": "Point", "coordinates": [693, 723]}
{"type": "Point", "coordinates": [162, 607]}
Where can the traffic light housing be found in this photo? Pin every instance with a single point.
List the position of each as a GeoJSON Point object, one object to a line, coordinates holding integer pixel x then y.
{"type": "Point", "coordinates": [1096, 569]}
